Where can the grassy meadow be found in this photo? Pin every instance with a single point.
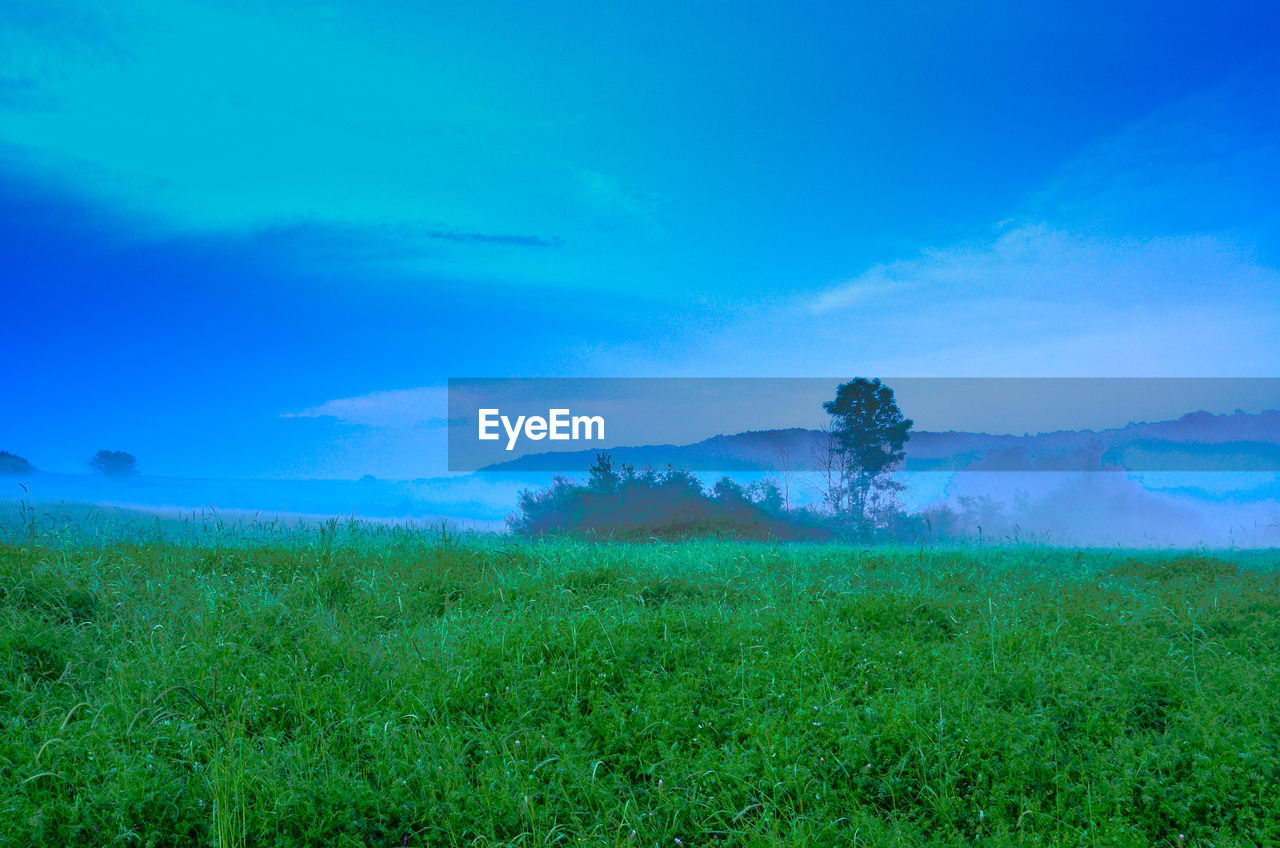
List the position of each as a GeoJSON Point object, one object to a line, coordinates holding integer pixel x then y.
{"type": "Point", "coordinates": [365, 685]}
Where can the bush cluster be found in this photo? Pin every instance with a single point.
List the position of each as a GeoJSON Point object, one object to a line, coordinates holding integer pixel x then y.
{"type": "Point", "coordinates": [625, 502]}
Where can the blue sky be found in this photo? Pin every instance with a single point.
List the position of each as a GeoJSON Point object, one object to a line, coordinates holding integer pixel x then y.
{"type": "Point", "coordinates": [241, 241]}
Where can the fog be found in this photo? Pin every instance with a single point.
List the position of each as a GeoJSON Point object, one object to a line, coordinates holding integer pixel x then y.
{"type": "Point", "coordinates": [1067, 509]}
{"type": "Point", "coordinates": [1118, 509]}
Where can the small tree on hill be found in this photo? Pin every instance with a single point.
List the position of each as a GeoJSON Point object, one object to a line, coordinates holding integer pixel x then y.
{"type": "Point", "coordinates": [114, 464]}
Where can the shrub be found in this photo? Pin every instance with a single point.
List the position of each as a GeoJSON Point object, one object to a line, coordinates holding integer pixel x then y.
{"type": "Point", "coordinates": [626, 503]}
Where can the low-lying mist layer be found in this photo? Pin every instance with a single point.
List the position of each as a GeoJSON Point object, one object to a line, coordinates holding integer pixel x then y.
{"type": "Point", "coordinates": [377, 686]}
{"type": "Point", "coordinates": [1047, 508]}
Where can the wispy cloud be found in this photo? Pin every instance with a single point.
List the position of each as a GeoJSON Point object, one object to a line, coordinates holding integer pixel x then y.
{"type": "Point", "coordinates": [397, 434]}
{"type": "Point", "coordinates": [607, 194]}
{"type": "Point", "coordinates": [421, 407]}
{"type": "Point", "coordinates": [1033, 299]}
{"type": "Point", "coordinates": [1137, 256]}
{"type": "Point", "coordinates": [1043, 263]}
{"type": "Point", "coordinates": [1207, 161]}
{"type": "Point", "coordinates": [877, 284]}
{"type": "Point", "coordinates": [494, 238]}
{"type": "Point", "coordinates": [381, 242]}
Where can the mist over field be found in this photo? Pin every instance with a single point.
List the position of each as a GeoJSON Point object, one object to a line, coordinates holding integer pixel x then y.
{"type": "Point", "coordinates": [1100, 509]}
{"type": "Point", "coordinates": [1202, 480]}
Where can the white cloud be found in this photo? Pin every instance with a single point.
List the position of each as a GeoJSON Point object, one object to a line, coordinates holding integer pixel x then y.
{"type": "Point", "coordinates": [424, 407]}
{"type": "Point", "coordinates": [1135, 258]}
{"type": "Point", "coordinates": [1035, 299]}
{"type": "Point", "coordinates": [1040, 262]}
{"type": "Point", "coordinates": [876, 284]}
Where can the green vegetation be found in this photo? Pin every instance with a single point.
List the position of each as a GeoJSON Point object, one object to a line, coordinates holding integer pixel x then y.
{"type": "Point", "coordinates": [631, 504]}
{"type": "Point", "coordinates": [373, 686]}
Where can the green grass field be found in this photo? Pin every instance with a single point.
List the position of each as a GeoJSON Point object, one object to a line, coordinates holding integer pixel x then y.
{"type": "Point", "coordinates": [373, 686]}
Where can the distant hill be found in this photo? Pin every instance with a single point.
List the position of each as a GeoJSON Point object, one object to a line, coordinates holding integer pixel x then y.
{"type": "Point", "coordinates": [14, 466]}
{"type": "Point", "coordinates": [1198, 441]}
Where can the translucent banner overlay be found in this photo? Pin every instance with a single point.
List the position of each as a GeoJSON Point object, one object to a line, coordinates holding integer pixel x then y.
{"type": "Point", "coordinates": [778, 424]}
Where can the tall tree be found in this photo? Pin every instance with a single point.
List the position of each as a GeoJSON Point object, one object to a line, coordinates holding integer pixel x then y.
{"type": "Point", "coordinates": [868, 433]}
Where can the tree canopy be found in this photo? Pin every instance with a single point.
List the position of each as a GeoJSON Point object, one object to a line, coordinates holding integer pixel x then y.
{"type": "Point", "coordinates": [624, 502]}
{"type": "Point", "coordinates": [114, 464]}
{"type": "Point", "coordinates": [868, 435]}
